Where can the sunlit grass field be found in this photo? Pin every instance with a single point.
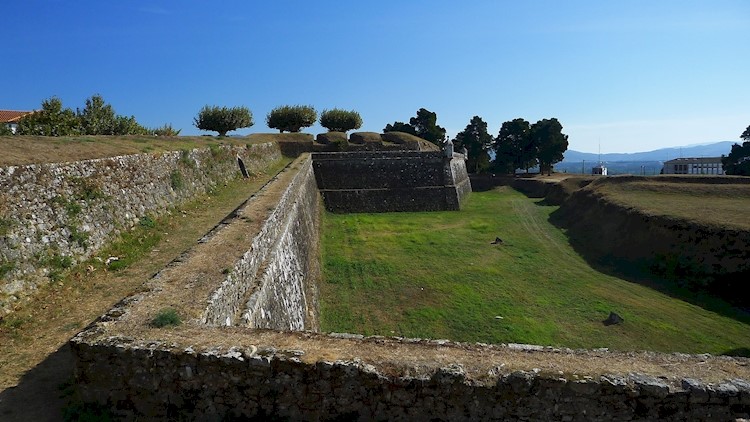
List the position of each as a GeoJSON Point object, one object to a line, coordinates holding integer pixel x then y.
{"type": "Point", "coordinates": [437, 275]}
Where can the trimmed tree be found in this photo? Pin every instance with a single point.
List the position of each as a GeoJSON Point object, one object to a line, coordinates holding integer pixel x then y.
{"type": "Point", "coordinates": [337, 120]}
{"type": "Point", "coordinates": [291, 118]}
{"type": "Point", "coordinates": [223, 119]}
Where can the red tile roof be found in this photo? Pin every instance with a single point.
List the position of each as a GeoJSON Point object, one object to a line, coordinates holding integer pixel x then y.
{"type": "Point", "coordinates": [8, 116]}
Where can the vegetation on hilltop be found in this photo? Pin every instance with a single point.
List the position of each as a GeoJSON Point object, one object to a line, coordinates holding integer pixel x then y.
{"type": "Point", "coordinates": [291, 118]}
{"type": "Point", "coordinates": [96, 118]}
{"type": "Point", "coordinates": [519, 145]}
{"type": "Point", "coordinates": [477, 141]}
{"type": "Point", "coordinates": [424, 125]}
{"type": "Point", "coordinates": [337, 120]}
{"type": "Point", "coordinates": [738, 161]}
{"type": "Point", "coordinates": [223, 119]}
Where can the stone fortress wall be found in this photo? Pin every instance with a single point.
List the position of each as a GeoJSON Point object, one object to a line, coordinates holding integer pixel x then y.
{"type": "Point", "coordinates": [259, 268]}
{"type": "Point", "coordinates": [391, 181]}
{"type": "Point", "coordinates": [57, 214]}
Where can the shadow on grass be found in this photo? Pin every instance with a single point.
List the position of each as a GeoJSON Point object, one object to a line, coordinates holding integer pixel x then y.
{"type": "Point", "coordinates": [740, 351]}
{"type": "Point", "coordinates": [640, 273]}
{"type": "Point", "coordinates": [43, 392]}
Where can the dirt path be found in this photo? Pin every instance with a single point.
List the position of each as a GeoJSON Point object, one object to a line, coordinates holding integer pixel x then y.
{"type": "Point", "coordinates": [35, 361]}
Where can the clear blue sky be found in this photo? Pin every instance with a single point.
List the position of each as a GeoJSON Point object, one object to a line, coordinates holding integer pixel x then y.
{"type": "Point", "coordinates": [635, 75]}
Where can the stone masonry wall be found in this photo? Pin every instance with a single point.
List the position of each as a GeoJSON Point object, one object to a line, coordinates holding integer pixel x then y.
{"type": "Point", "coordinates": [55, 215]}
{"type": "Point", "coordinates": [391, 181]}
{"type": "Point", "coordinates": [199, 371]}
{"type": "Point", "coordinates": [152, 380]}
{"type": "Point", "coordinates": [274, 284]}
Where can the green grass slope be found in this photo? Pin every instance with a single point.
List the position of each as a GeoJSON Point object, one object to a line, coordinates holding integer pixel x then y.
{"type": "Point", "coordinates": [436, 275]}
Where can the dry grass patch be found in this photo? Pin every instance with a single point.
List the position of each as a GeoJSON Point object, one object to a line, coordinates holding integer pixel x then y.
{"type": "Point", "coordinates": [22, 150]}
{"type": "Point", "coordinates": [58, 311]}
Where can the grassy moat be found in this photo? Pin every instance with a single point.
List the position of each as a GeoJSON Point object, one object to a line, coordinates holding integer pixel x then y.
{"type": "Point", "coordinates": [437, 275]}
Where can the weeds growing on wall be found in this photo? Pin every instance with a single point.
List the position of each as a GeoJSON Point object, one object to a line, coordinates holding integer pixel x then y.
{"type": "Point", "coordinates": [87, 189]}
{"type": "Point", "coordinates": [5, 226]}
{"type": "Point", "coordinates": [5, 268]}
{"type": "Point", "coordinates": [72, 208]}
{"type": "Point", "coordinates": [80, 237]}
{"type": "Point", "coordinates": [175, 180]}
{"type": "Point", "coordinates": [185, 159]}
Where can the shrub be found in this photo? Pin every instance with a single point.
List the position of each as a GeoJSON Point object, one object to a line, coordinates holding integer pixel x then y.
{"type": "Point", "coordinates": [223, 119]}
{"type": "Point", "coordinates": [330, 137]}
{"type": "Point", "coordinates": [291, 118]}
{"type": "Point", "coordinates": [147, 222]}
{"type": "Point", "coordinates": [5, 130]}
{"type": "Point", "coordinates": [337, 120]}
{"type": "Point", "coordinates": [166, 317]}
{"type": "Point", "coordinates": [364, 137]}
{"type": "Point", "coordinates": [166, 130]}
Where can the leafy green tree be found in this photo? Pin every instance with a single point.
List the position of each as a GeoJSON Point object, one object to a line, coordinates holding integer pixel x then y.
{"type": "Point", "coordinates": [513, 147]}
{"type": "Point", "coordinates": [97, 117]}
{"type": "Point", "coordinates": [5, 130]}
{"type": "Point", "coordinates": [550, 143]}
{"type": "Point", "coordinates": [400, 127]}
{"type": "Point", "coordinates": [129, 126]}
{"type": "Point", "coordinates": [477, 141]}
{"type": "Point", "coordinates": [51, 120]}
{"type": "Point", "coordinates": [337, 120]}
{"type": "Point", "coordinates": [223, 119]}
{"type": "Point", "coordinates": [425, 125]}
{"type": "Point", "coordinates": [291, 118]}
{"type": "Point", "coordinates": [738, 161]}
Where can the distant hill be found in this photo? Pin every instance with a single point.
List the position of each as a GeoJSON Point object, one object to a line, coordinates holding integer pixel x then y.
{"type": "Point", "coordinates": [664, 154]}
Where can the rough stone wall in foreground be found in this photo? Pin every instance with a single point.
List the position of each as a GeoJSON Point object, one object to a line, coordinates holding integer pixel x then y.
{"type": "Point", "coordinates": [391, 181]}
{"type": "Point", "coordinates": [62, 213]}
{"type": "Point", "coordinates": [149, 381]}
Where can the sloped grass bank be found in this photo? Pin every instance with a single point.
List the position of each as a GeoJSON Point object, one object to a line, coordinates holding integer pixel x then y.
{"type": "Point", "coordinates": [437, 275]}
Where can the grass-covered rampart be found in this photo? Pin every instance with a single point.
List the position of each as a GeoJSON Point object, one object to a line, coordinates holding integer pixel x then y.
{"type": "Point", "coordinates": [437, 275]}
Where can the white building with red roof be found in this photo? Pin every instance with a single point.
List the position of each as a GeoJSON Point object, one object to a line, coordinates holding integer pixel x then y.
{"type": "Point", "coordinates": [10, 118]}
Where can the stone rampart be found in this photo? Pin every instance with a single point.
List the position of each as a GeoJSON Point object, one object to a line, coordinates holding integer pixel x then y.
{"type": "Point", "coordinates": [55, 215]}
{"type": "Point", "coordinates": [391, 181]}
{"type": "Point", "coordinates": [274, 283]}
{"type": "Point", "coordinates": [206, 370]}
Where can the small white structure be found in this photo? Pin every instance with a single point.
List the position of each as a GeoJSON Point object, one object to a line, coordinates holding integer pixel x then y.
{"type": "Point", "coordinates": [599, 170]}
{"type": "Point", "coordinates": [707, 165]}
